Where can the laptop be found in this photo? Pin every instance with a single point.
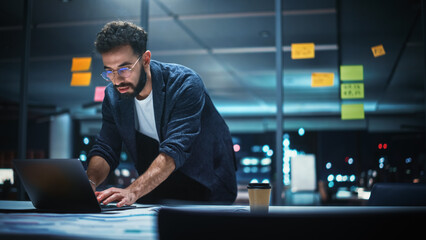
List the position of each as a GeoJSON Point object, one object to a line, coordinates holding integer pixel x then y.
{"type": "Point", "coordinates": [59, 185]}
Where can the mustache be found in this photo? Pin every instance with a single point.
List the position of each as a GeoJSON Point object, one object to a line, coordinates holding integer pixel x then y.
{"type": "Point", "coordinates": [124, 85]}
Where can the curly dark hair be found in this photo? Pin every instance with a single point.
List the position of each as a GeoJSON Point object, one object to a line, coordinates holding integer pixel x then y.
{"type": "Point", "coordinates": [119, 33]}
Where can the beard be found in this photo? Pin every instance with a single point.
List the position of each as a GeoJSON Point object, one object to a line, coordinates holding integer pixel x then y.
{"type": "Point", "coordinates": [136, 89]}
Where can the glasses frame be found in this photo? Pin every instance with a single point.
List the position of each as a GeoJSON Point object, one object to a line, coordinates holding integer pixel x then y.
{"type": "Point", "coordinates": [118, 71]}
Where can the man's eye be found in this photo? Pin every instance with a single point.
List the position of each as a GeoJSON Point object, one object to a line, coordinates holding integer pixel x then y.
{"type": "Point", "coordinates": [122, 70]}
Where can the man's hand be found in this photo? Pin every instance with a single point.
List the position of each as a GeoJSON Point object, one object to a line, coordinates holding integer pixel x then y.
{"type": "Point", "coordinates": [122, 196]}
{"type": "Point", "coordinates": [158, 171]}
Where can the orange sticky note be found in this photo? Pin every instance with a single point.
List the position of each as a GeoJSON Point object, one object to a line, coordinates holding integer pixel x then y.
{"type": "Point", "coordinates": [322, 79]}
{"type": "Point", "coordinates": [99, 94]}
{"type": "Point", "coordinates": [302, 50]}
{"type": "Point", "coordinates": [81, 64]}
{"type": "Point", "coordinates": [81, 79]}
{"type": "Point", "coordinates": [378, 50]}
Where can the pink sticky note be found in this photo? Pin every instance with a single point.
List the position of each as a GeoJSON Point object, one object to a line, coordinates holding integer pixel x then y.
{"type": "Point", "coordinates": [99, 94]}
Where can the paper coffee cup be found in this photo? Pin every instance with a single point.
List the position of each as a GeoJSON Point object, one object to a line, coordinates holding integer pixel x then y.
{"type": "Point", "coordinates": [259, 195]}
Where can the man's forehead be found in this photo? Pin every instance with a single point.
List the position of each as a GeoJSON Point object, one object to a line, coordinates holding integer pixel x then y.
{"type": "Point", "coordinates": [122, 48]}
{"type": "Point", "coordinates": [118, 57]}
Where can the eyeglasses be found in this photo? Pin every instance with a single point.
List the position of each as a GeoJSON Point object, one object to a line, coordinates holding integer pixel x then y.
{"type": "Point", "coordinates": [122, 72]}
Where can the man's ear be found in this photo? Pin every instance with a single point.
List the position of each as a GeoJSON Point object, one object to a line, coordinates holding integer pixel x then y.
{"type": "Point", "coordinates": [146, 57]}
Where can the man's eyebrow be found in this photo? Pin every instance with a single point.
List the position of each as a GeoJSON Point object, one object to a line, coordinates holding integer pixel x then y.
{"type": "Point", "coordinates": [121, 65]}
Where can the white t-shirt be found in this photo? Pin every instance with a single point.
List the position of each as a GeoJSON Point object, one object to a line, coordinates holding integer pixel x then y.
{"type": "Point", "coordinates": [145, 120]}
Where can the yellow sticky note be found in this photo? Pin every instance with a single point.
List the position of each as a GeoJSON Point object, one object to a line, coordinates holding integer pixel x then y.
{"type": "Point", "coordinates": [322, 79]}
{"type": "Point", "coordinates": [81, 64]}
{"type": "Point", "coordinates": [352, 90]}
{"type": "Point", "coordinates": [352, 111]}
{"type": "Point", "coordinates": [378, 50]}
{"type": "Point", "coordinates": [302, 50]}
{"type": "Point", "coordinates": [81, 79]}
{"type": "Point", "coordinates": [351, 72]}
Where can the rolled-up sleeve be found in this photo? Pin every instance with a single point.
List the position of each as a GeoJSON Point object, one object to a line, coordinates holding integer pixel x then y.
{"type": "Point", "coordinates": [108, 142]}
{"type": "Point", "coordinates": [184, 124]}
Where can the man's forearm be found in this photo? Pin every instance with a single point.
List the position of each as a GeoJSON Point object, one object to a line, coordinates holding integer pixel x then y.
{"type": "Point", "coordinates": [98, 170]}
{"type": "Point", "coordinates": [158, 171]}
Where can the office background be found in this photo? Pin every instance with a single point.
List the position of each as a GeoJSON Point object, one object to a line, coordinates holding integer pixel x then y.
{"type": "Point", "coordinates": [233, 46]}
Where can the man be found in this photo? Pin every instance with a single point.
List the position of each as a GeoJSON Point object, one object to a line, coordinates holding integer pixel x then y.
{"type": "Point", "coordinates": [162, 113]}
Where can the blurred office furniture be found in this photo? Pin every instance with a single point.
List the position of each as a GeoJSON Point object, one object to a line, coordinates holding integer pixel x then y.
{"type": "Point", "coordinates": [398, 194]}
{"type": "Point", "coordinates": [303, 181]}
{"type": "Point", "coordinates": [303, 173]}
{"type": "Point", "coordinates": [302, 198]}
{"type": "Point", "coordinates": [60, 136]}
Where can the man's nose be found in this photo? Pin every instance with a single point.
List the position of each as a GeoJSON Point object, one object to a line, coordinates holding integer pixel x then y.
{"type": "Point", "coordinates": [117, 79]}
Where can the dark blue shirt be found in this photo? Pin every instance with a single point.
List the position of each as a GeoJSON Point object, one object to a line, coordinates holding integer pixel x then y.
{"type": "Point", "coordinates": [190, 129]}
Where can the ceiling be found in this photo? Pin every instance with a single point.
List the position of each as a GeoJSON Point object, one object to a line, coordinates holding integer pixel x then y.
{"type": "Point", "coordinates": [231, 44]}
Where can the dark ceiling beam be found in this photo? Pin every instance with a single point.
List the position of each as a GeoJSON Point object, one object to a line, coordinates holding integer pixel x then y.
{"type": "Point", "coordinates": [339, 42]}
{"type": "Point", "coordinates": [186, 52]}
{"type": "Point", "coordinates": [144, 22]}
{"type": "Point", "coordinates": [23, 107]}
{"type": "Point", "coordinates": [305, 12]}
{"type": "Point", "coordinates": [278, 173]}
{"type": "Point", "coordinates": [424, 57]}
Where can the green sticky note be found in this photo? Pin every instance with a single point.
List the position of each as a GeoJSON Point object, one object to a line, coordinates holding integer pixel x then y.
{"type": "Point", "coordinates": [352, 111]}
{"type": "Point", "coordinates": [352, 90]}
{"type": "Point", "coordinates": [351, 72]}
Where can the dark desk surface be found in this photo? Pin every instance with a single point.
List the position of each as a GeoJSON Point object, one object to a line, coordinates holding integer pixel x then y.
{"type": "Point", "coordinates": [139, 223]}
